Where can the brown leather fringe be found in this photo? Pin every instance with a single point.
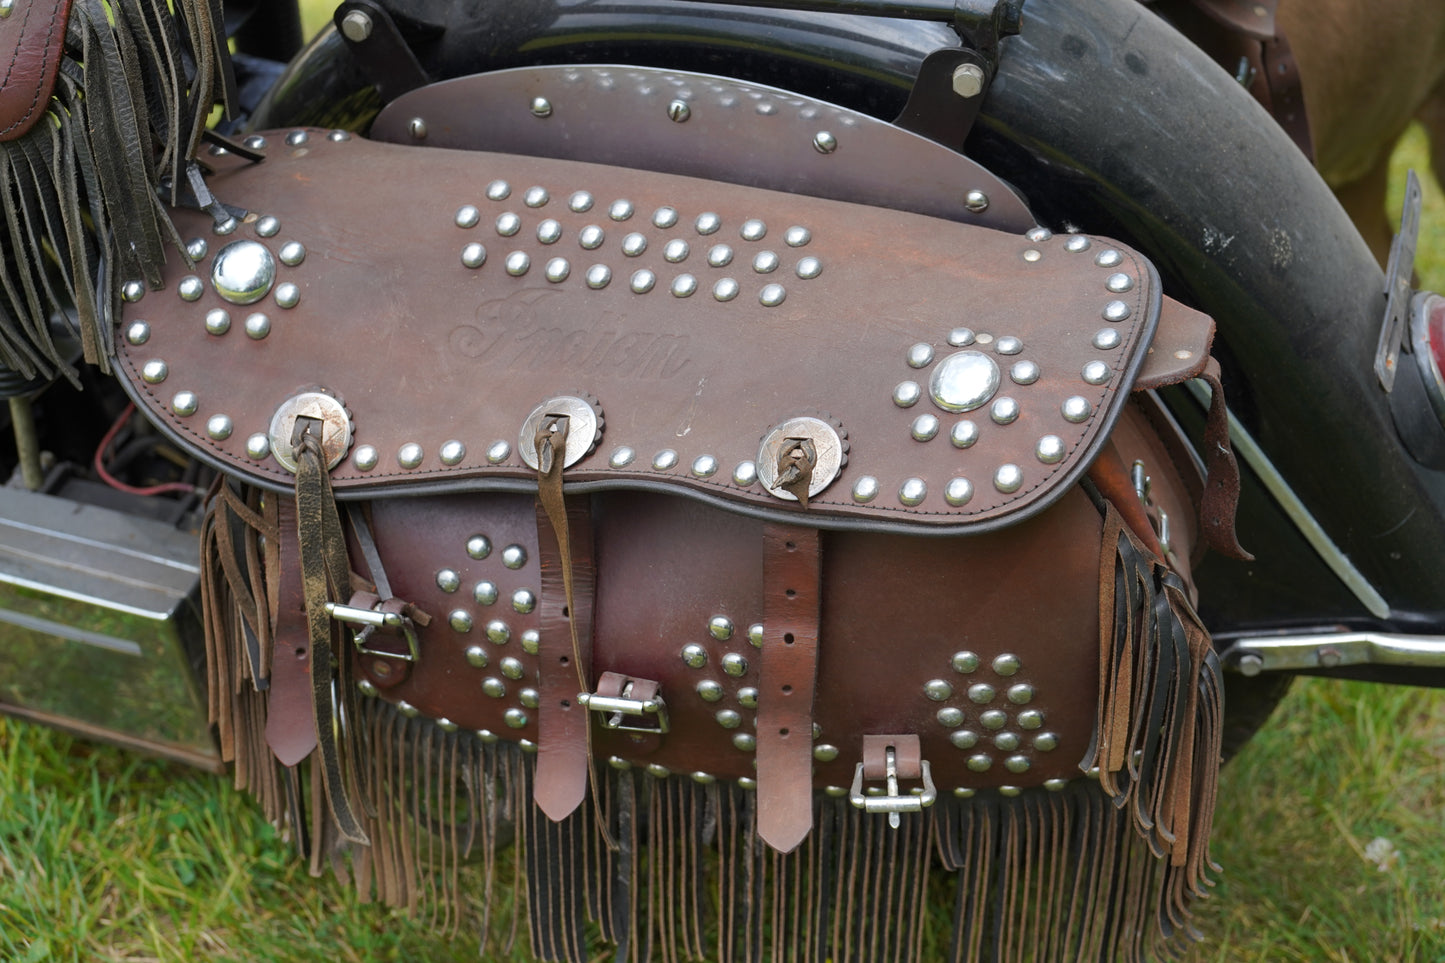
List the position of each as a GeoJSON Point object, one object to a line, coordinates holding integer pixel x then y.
{"type": "Point", "coordinates": [79, 191]}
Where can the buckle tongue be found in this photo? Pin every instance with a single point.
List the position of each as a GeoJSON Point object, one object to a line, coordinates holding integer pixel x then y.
{"type": "Point", "coordinates": [891, 759]}
{"type": "Point", "coordinates": [626, 704]}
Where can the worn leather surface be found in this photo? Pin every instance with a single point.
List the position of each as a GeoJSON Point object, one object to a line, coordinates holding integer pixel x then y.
{"type": "Point", "coordinates": [32, 39]}
{"type": "Point", "coordinates": [425, 350]}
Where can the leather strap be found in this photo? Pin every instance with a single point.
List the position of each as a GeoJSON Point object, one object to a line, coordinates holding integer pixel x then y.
{"type": "Point", "coordinates": [32, 40]}
{"type": "Point", "coordinates": [1221, 487]}
{"type": "Point", "coordinates": [290, 732]}
{"type": "Point", "coordinates": [792, 603]}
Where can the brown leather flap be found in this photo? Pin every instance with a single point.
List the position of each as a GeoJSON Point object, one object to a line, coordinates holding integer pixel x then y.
{"type": "Point", "coordinates": [695, 316]}
{"type": "Point", "coordinates": [32, 38]}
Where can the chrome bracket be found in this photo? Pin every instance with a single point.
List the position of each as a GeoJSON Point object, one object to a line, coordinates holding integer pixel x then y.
{"type": "Point", "coordinates": [627, 705]}
{"type": "Point", "coordinates": [892, 759]}
{"type": "Point", "coordinates": [1397, 286]}
{"type": "Point", "coordinates": [1329, 650]}
{"type": "Point", "coordinates": [376, 617]}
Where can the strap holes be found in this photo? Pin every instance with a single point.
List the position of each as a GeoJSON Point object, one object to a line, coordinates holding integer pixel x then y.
{"type": "Point", "coordinates": [792, 593]}
{"type": "Point", "coordinates": [787, 690]}
{"type": "Point", "coordinates": [566, 703]}
{"type": "Point", "coordinates": [788, 638]}
{"type": "Point", "coordinates": [783, 733]}
{"type": "Point", "coordinates": [563, 659]}
{"type": "Point", "coordinates": [792, 546]}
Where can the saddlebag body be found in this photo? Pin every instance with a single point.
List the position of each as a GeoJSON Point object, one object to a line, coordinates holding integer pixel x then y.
{"type": "Point", "coordinates": [655, 515]}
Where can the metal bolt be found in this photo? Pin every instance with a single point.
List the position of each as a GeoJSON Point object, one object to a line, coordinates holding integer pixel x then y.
{"type": "Point", "coordinates": [678, 111]}
{"type": "Point", "coordinates": [356, 26]}
{"type": "Point", "coordinates": [541, 107]}
{"type": "Point", "coordinates": [968, 80]}
{"type": "Point", "coordinates": [418, 128]}
{"type": "Point", "coordinates": [1250, 664]}
{"type": "Point", "coordinates": [1329, 657]}
{"type": "Point", "coordinates": [824, 142]}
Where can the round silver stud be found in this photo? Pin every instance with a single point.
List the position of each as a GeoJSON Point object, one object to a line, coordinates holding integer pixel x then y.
{"type": "Point", "coordinates": [541, 107]}
{"type": "Point", "coordinates": [529, 698]}
{"type": "Point", "coordinates": [1024, 372]}
{"type": "Point", "coordinates": [1076, 409]}
{"type": "Point", "coordinates": [487, 736]}
{"type": "Point", "coordinates": [407, 709]}
{"type": "Point", "coordinates": [218, 322]}
{"type": "Point", "coordinates": [1119, 283]}
{"type": "Point", "coordinates": [745, 474]}
{"type": "Point", "coordinates": [865, 489]}
{"type": "Point", "coordinates": [746, 742]}
{"type": "Point", "coordinates": [467, 216]}
{"type": "Point", "coordinates": [797, 236]}
{"type": "Point", "coordinates": [618, 763]}
{"type": "Point", "coordinates": [191, 288]}
{"type": "Point", "coordinates": [824, 752]}
{"type": "Point", "coordinates": [976, 201]}
{"type": "Point", "coordinates": [634, 244]}
{"type": "Point", "coordinates": [658, 771]}
{"type": "Point", "coordinates": [981, 692]}
{"type": "Point", "coordinates": [508, 224]}
{"type": "Point", "coordinates": [1046, 741]}
{"type": "Point", "coordinates": [293, 253]}
{"type": "Point", "coordinates": [965, 662]}
{"type": "Point", "coordinates": [366, 458]}
{"type": "Point", "coordinates": [219, 427]}
{"type": "Point", "coordinates": [531, 641]}
{"type": "Point", "coordinates": [1008, 479]}
{"type": "Point", "coordinates": [460, 620]}
{"type": "Point", "coordinates": [993, 719]}
{"type": "Point", "coordinates": [772, 295]}
{"type": "Point", "coordinates": [1076, 244]}
{"type": "Point", "coordinates": [1006, 741]}
{"type": "Point", "coordinates": [1117, 311]}
{"type": "Point", "coordinates": [1050, 450]}
{"type": "Point", "coordinates": [242, 272]}
{"type": "Point", "coordinates": [675, 251]}
{"type": "Point", "coordinates": [1096, 373]}
{"type": "Point", "coordinates": [664, 460]}
{"type": "Point", "coordinates": [720, 255]}
{"type": "Point", "coordinates": [476, 657]}
{"type": "Point", "coordinates": [515, 718]}
{"type": "Point", "coordinates": [1021, 694]}
{"type": "Point", "coordinates": [925, 427]}
{"type": "Point", "coordinates": [913, 491]}
{"type": "Point", "coordinates": [824, 142]}
{"type": "Point", "coordinates": [1008, 345]}
{"type": "Point", "coordinates": [499, 191]}
{"type": "Point", "coordinates": [154, 372]}
{"type": "Point", "coordinates": [1032, 255]}
{"type": "Point", "coordinates": [678, 111]}
{"type": "Point", "coordinates": [809, 268]}
{"type": "Point", "coordinates": [621, 457]}
{"type": "Point", "coordinates": [950, 717]}
{"type": "Point", "coordinates": [196, 247]}
{"type": "Point", "coordinates": [694, 656]}
{"type": "Point", "coordinates": [557, 270]}
{"type": "Point", "coordinates": [620, 210]}
{"type": "Point", "coordinates": [549, 231]}
{"type": "Point", "coordinates": [664, 218]}
{"type": "Point", "coordinates": [257, 326]}
{"type": "Point", "coordinates": [709, 690]}
{"type": "Point", "coordinates": [1108, 258]}
{"type": "Point", "coordinates": [452, 452]}
{"type": "Point", "coordinates": [288, 295]}
{"type": "Point", "coordinates": [1017, 764]}
{"type": "Point", "coordinates": [229, 225]}
{"type": "Point", "coordinates": [963, 738]}
{"type": "Point", "coordinates": [512, 668]}
{"type": "Point", "coordinates": [514, 557]}
{"type": "Point", "coordinates": [981, 762]}
{"type": "Point", "coordinates": [960, 337]}
{"type": "Point", "coordinates": [297, 138]}
{"type": "Point", "coordinates": [366, 688]}
{"type": "Point", "coordinates": [765, 262]}
{"type": "Point", "coordinates": [517, 263]}
{"type": "Point", "coordinates": [524, 600]}
{"type": "Point", "coordinates": [268, 226]}
{"type": "Point", "coordinates": [1039, 235]}
{"type": "Point", "coordinates": [734, 665]}
{"type": "Point", "coordinates": [258, 446]}
{"type": "Point", "coordinates": [958, 492]}
{"type": "Point", "coordinates": [963, 792]}
{"type": "Point", "coordinates": [753, 230]}
{"type": "Point", "coordinates": [139, 332]}
{"type": "Point", "coordinates": [498, 632]}
{"type": "Point", "coordinates": [410, 455]}
{"type": "Point", "coordinates": [184, 403]}
{"type": "Point", "coordinates": [704, 466]}
{"type": "Point", "coordinates": [448, 580]}
{"type": "Point", "coordinates": [255, 142]}
{"type": "Point", "coordinates": [1106, 339]}
{"type": "Point", "coordinates": [1006, 664]}
{"type": "Point", "coordinates": [728, 718]}
{"type": "Point", "coordinates": [707, 223]}
{"type": "Point", "coordinates": [498, 452]}
{"type": "Point", "coordinates": [755, 635]}
{"type": "Point", "coordinates": [938, 690]}
{"type": "Point", "coordinates": [133, 291]}
{"type": "Point", "coordinates": [963, 381]}
{"type": "Point", "coordinates": [599, 276]}
{"type": "Point", "coordinates": [643, 281]}
{"type": "Point", "coordinates": [580, 202]}
{"type": "Point", "coordinates": [1055, 785]}
{"type": "Point", "coordinates": [485, 592]}
{"type": "Point", "coordinates": [748, 697]}
{"type": "Point", "coordinates": [964, 434]}
{"type": "Point", "coordinates": [1031, 719]}
{"type": "Point", "coordinates": [725, 289]}
{"type": "Point", "coordinates": [683, 286]}
{"type": "Point", "coordinates": [1005, 411]}
{"type": "Point", "coordinates": [920, 355]}
{"type": "Point", "coordinates": [906, 394]}
{"type": "Point", "coordinates": [536, 197]}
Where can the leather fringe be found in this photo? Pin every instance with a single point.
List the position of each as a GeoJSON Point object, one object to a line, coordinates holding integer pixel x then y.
{"type": "Point", "coordinates": [79, 191]}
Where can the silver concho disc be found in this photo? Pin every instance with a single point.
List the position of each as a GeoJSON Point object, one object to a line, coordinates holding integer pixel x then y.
{"type": "Point", "coordinates": [826, 442]}
{"type": "Point", "coordinates": [583, 430]}
{"type": "Point", "coordinates": [243, 272]}
{"type": "Point", "coordinates": [335, 427]}
{"type": "Point", "coordinates": [963, 381]}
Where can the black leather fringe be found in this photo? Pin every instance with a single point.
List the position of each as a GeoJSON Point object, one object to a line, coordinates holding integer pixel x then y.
{"type": "Point", "coordinates": [79, 191]}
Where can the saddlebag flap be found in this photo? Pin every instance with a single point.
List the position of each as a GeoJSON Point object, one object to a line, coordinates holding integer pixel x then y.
{"type": "Point", "coordinates": [594, 500]}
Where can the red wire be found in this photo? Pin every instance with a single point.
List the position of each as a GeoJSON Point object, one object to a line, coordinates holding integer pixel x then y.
{"type": "Point", "coordinates": [119, 485]}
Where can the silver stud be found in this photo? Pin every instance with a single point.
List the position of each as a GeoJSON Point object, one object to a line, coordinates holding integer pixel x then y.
{"type": "Point", "coordinates": [913, 491]}
{"type": "Point", "coordinates": [963, 381]}
{"type": "Point", "coordinates": [297, 138]}
{"type": "Point", "coordinates": [485, 592]}
{"type": "Point", "coordinates": [258, 446]}
{"type": "Point", "coordinates": [541, 107]}
{"type": "Point", "coordinates": [191, 288]}
{"type": "Point", "coordinates": [1021, 694]}
{"type": "Point", "coordinates": [557, 270]}
{"type": "Point", "coordinates": [524, 600]}
{"type": "Point", "coordinates": [508, 224]}
{"type": "Point", "coordinates": [707, 223]}
{"type": "Point", "coordinates": [133, 291]}
{"type": "Point", "coordinates": [618, 763]}
{"type": "Point", "coordinates": [366, 688]}
{"type": "Point", "coordinates": [709, 690]}
{"type": "Point", "coordinates": [976, 201]}
{"type": "Point", "coordinates": [772, 295]}
{"type": "Point", "coordinates": [958, 492]}
{"type": "Point", "coordinates": [1055, 785]}
{"type": "Point", "coordinates": [257, 326]}
{"type": "Point", "coordinates": [950, 717]}
{"type": "Point", "coordinates": [963, 792]}
{"type": "Point", "coordinates": [753, 230]}
{"type": "Point", "coordinates": [288, 295]}
{"type": "Point", "coordinates": [704, 778]}
{"type": "Point", "coordinates": [734, 665]}
{"type": "Point", "coordinates": [1005, 411]}
{"type": "Point", "coordinates": [1076, 409]}
{"type": "Point", "coordinates": [268, 226]}
{"type": "Point", "coordinates": [960, 337]}
{"type": "Point", "coordinates": [1106, 339]}
{"type": "Point", "coordinates": [920, 355]}
{"type": "Point", "coordinates": [536, 197]}
{"type": "Point", "coordinates": [634, 244]}
{"type": "Point", "coordinates": [683, 286]}
{"type": "Point", "coordinates": [499, 191]}
{"type": "Point", "coordinates": [467, 216]}
{"type": "Point", "coordinates": [809, 268]}
{"type": "Point", "coordinates": [517, 263]}
{"type": "Point", "coordinates": [825, 753]}
{"type": "Point", "coordinates": [549, 231]}
{"type": "Point", "coordinates": [196, 247]}
{"type": "Point", "coordinates": [366, 458]}
{"type": "Point", "coordinates": [1007, 664]}
{"type": "Point", "coordinates": [719, 255]}
{"type": "Point", "coordinates": [664, 460]}
{"type": "Point", "coordinates": [1039, 235]}
{"type": "Point", "coordinates": [748, 697]}
{"type": "Point", "coordinates": [747, 742]}
{"type": "Point", "coordinates": [925, 427]}
{"type": "Point", "coordinates": [965, 662]}
{"type": "Point", "coordinates": [515, 718]}
{"type": "Point", "coordinates": [460, 620]}
{"type": "Point", "coordinates": [255, 142]}
{"type": "Point", "coordinates": [410, 455]}
{"type": "Point", "coordinates": [154, 372]}
{"type": "Point", "coordinates": [728, 718]}
{"type": "Point", "coordinates": [293, 253]}
{"type": "Point", "coordinates": [219, 427]}
{"type": "Point", "coordinates": [937, 690]}
{"type": "Point", "coordinates": [1046, 741]}
{"type": "Point", "coordinates": [678, 111]}
{"type": "Point", "coordinates": [1096, 373]}
{"type": "Point", "coordinates": [599, 276]}
{"type": "Point", "coordinates": [964, 434]}
{"type": "Point", "coordinates": [448, 580]}
{"type": "Point", "coordinates": [452, 452]}
{"type": "Point", "coordinates": [1024, 372]}
{"type": "Point", "coordinates": [694, 656]}
{"type": "Point", "coordinates": [1108, 258]}
{"type": "Point", "coordinates": [720, 627]}
{"type": "Point", "coordinates": [620, 210]}
{"type": "Point", "coordinates": [765, 262]}
{"type": "Point", "coordinates": [1076, 243]}
{"type": "Point", "coordinates": [1006, 741]}
{"type": "Point", "coordinates": [407, 709]}
{"type": "Point", "coordinates": [139, 332]}
{"type": "Point", "coordinates": [1032, 255]}
{"type": "Point", "coordinates": [514, 557]}
{"type": "Point", "coordinates": [658, 771]}
{"type": "Point", "coordinates": [487, 736]}
{"type": "Point", "coordinates": [824, 142]}
{"type": "Point", "coordinates": [1017, 764]}
{"type": "Point", "coordinates": [865, 489]}
{"type": "Point", "coordinates": [621, 457]}
{"type": "Point", "coordinates": [675, 251]}
{"type": "Point", "coordinates": [797, 236]}
{"type": "Point", "coordinates": [1009, 791]}
{"type": "Point", "coordinates": [1008, 478]}
{"type": "Point", "coordinates": [745, 475]}
{"type": "Point", "coordinates": [1050, 450]}
{"type": "Point", "coordinates": [498, 452]}
{"type": "Point", "coordinates": [981, 692]}
{"type": "Point", "coordinates": [963, 738]}
{"type": "Point", "coordinates": [580, 202]}
{"type": "Point", "coordinates": [643, 281]}
{"type": "Point", "coordinates": [512, 668]}
{"type": "Point", "coordinates": [755, 635]}
{"type": "Point", "coordinates": [1008, 345]}
{"type": "Point", "coordinates": [665, 218]}
{"type": "Point", "coordinates": [993, 719]}
{"type": "Point", "coordinates": [531, 641]}
{"type": "Point", "coordinates": [906, 394]}
{"type": "Point", "coordinates": [1119, 283]}
{"type": "Point", "coordinates": [1117, 311]}
{"type": "Point", "coordinates": [1030, 719]}
{"type": "Point", "coordinates": [476, 656]}
{"type": "Point", "coordinates": [499, 632]}
{"type": "Point", "coordinates": [184, 403]}
{"type": "Point", "coordinates": [242, 273]}
{"type": "Point", "coordinates": [725, 289]}
{"type": "Point", "coordinates": [981, 762]}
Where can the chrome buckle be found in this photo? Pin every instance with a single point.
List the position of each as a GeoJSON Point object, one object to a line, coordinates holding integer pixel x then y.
{"type": "Point", "coordinates": [621, 700]}
{"type": "Point", "coordinates": [891, 755]}
{"type": "Point", "coordinates": [372, 619]}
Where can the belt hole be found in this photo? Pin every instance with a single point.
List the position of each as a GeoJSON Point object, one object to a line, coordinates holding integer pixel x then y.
{"type": "Point", "coordinates": [788, 638]}
{"type": "Point", "coordinates": [787, 690]}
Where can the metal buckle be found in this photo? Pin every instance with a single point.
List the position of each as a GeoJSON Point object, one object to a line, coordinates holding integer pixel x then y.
{"type": "Point", "coordinates": [898, 758]}
{"type": "Point", "coordinates": [372, 619]}
{"type": "Point", "coordinates": [622, 699]}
